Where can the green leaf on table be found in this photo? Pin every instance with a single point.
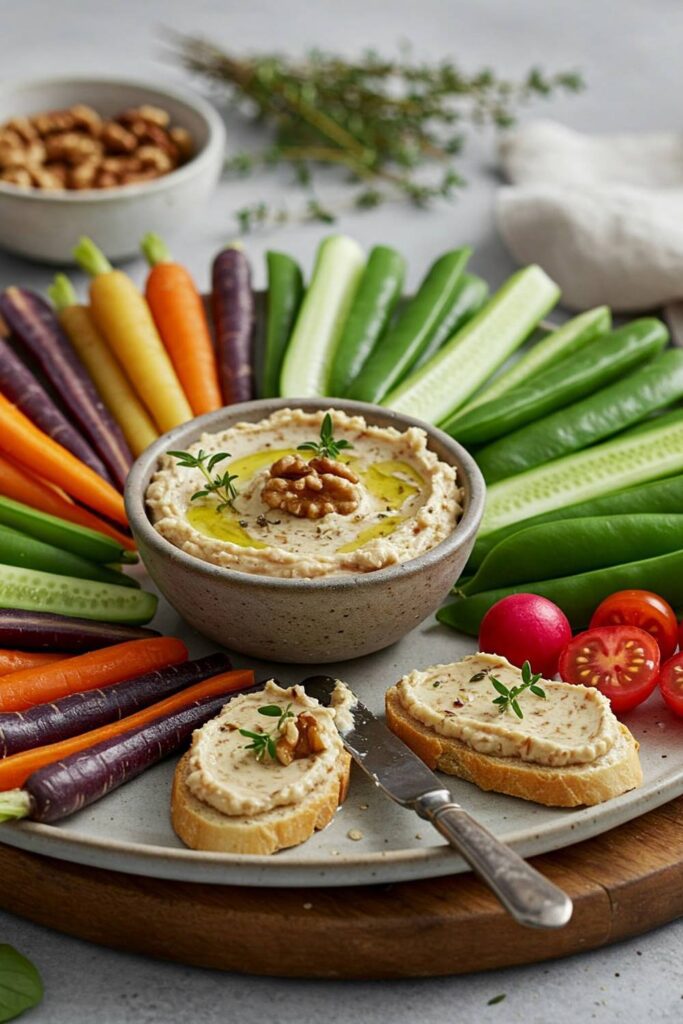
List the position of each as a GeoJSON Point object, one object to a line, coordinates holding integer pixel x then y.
{"type": "Point", "coordinates": [20, 984]}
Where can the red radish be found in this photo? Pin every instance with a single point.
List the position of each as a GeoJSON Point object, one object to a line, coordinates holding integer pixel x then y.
{"type": "Point", "coordinates": [35, 324]}
{"type": "Point", "coordinates": [19, 385]}
{"type": "Point", "coordinates": [526, 627]}
{"type": "Point", "coordinates": [232, 302]}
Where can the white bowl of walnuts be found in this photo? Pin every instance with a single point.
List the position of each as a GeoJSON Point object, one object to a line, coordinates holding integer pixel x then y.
{"type": "Point", "coordinates": [109, 158]}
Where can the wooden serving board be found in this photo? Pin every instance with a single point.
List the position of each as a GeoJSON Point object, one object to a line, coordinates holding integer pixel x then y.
{"type": "Point", "coordinates": [623, 883]}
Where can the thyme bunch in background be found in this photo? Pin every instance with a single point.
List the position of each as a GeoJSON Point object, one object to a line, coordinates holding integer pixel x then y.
{"type": "Point", "coordinates": [382, 120]}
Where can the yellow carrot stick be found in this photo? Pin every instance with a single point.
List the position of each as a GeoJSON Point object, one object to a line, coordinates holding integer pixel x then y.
{"type": "Point", "coordinates": [103, 366]}
{"type": "Point", "coordinates": [123, 317]}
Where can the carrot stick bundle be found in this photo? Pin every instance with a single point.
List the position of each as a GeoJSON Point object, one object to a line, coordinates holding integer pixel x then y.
{"type": "Point", "coordinates": [102, 365]}
{"type": "Point", "coordinates": [33, 320]}
{"type": "Point", "coordinates": [180, 317]}
{"type": "Point", "coordinates": [122, 315]}
{"type": "Point", "coordinates": [28, 445]}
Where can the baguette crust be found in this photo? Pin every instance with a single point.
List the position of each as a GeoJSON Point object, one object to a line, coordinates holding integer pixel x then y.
{"type": "Point", "coordinates": [614, 773]}
{"type": "Point", "coordinates": [201, 827]}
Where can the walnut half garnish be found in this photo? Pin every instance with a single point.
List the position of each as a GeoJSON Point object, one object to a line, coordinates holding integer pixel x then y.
{"type": "Point", "coordinates": [311, 490]}
{"type": "Point", "coordinates": [300, 739]}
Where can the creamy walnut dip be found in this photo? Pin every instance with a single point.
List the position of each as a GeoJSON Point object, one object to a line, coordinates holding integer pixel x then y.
{"type": "Point", "coordinates": [388, 500]}
{"type": "Point", "coordinates": [571, 725]}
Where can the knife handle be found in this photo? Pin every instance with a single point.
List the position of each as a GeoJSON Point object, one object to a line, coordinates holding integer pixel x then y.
{"type": "Point", "coordinates": [524, 892]}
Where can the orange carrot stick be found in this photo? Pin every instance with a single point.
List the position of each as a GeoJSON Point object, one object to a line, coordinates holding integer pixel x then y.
{"type": "Point", "coordinates": [180, 317]}
{"type": "Point", "coordinates": [14, 770]}
{"type": "Point", "coordinates": [21, 690]}
{"type": "Point", "coordinates": [33, 448]}
{"type": "Point", "coordinates": [16, 661]}
{"type": "Point", "coordinates": [19, 483]}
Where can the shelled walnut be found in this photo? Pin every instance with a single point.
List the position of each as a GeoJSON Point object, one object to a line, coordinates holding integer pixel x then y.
{"type": "Point", "coordinates": [311, 490]}
{"type": "Point", "coordinates": [79, 148]}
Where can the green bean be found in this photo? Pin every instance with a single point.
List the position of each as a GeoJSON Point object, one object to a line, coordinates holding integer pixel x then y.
{"type": "Point", "coordinates": [577, 596]}
{"type": "Point", "coordinates": [285, 291]}
{"type": "Point", "coordinates": [18, 549]}
{"type": "Point", "coordinates": [572, 546]}
{"type": "Point", "coordinates": [603, 360]}
{"type": "Point", "coordinates": [373, 304]}
{"type": "Point", "coordinates": [656, 496]}
{"type": "Point", "coordinates": [555, 345]}
{"type": "Point", "coordinates": [469, 296]}
{"type": "Point", "coordinates": [602, 415]}
{"type": "Point", "coordinates": [406, 340]}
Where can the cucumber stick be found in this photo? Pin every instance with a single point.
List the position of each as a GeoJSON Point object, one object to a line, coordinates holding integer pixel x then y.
{"type": "Point", "coordinates": [623, 461]}
{"type": "Point", "coordinates": [338, 269]}
{"type": "Point", "coordinates": [571, 337]}
{"type": "Point", "coordinates": [35, 591]}
{"type": "Point", "coordinates": [79, 540]}
{"type": "Point", "coordinates": [476, 351]}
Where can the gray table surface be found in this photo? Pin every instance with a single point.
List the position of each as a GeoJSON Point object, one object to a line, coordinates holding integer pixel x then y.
{"type": "Point", "coordinates": [629, 52]}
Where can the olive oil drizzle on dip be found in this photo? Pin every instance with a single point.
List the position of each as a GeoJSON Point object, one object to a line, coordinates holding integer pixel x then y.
{"type": "Point", "coordinates": [408, 500]}
{"type": "Point", "coordinates": [572, 725]}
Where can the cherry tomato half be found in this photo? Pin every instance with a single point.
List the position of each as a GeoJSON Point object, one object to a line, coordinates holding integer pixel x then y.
{"type": "Point", "coordinates": [621, 661]}
{"type": "Point", "coordinates": [671, 683]}
{"type": "Point", "coordinates": [644, 609]}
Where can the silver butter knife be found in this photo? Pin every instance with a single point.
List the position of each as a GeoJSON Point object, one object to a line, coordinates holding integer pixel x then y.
{"type": "Point", "coordinates": [524, 892]}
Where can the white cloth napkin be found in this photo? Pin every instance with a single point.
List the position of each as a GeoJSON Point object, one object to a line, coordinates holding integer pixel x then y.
{"type": "Point", "coordinates": [603, 215]}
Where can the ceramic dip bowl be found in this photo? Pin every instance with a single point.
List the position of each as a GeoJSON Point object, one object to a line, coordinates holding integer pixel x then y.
{"type": "Point", "coordinates": [328, 619]}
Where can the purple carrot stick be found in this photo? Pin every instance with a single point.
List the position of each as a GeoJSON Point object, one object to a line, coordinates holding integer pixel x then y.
{"type": "Point", "coordinates": [46, 631]}
{"type": "Point", "coordinates": [18, 384]}
{"type": "Point", "coordinates": [33, 321]}
{"type": "Point", "coordinates": [80, 712]}
{"type": "Point", "coordinates": [232, 301]}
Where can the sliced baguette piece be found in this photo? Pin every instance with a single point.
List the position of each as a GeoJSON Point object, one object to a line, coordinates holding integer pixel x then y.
{"type": "Point", "coordinates": [203, 828]}
{"type": "Point", "coordinates": [576, 785]}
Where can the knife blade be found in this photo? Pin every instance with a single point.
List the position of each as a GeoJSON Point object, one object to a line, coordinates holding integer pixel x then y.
{"type": "Point", "coordinates": [529, 897]}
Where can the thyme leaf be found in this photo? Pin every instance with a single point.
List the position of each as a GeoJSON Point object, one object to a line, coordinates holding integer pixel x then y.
{"type": "Point", "coordinates": [507, 699]}
{"type": "Point", "coordinates": [263, 743]}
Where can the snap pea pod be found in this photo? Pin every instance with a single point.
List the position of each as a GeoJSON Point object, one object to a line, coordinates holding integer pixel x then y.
{"type": "Point", "coordinates": [602, 415]}
{"type": "Point", "coordinates": [577, 596]}
{"type": "Point", "coordinates": [80, 540]}
{"type": "Point", "coordinates": [19, 549]}
{"type": "Point", "coordinates": [571, 546]}
{"type": "Point", "coordinates": [658, 496]}
{"type": "Point", "coordinates": [567, 381]}
{"type": "Point", "coordinates": [469, 296]}
{"type": "Point", "coordinates": [566, 340]}
{"type": "Point", "coordinates": [374, 302]}
{"type": "Point", "coordinates": [615, 464]}
{"type": "Point", "coordinates": [472, 355]}
{"type": "Point", "coordinates": [285, 291]}
{"type": "Point", "coordinates": [406, 340]}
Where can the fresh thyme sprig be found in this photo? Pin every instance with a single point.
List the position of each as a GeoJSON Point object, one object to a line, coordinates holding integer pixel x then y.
{"type": "Point", "coordinates": [222, 485]}
{"type": "Point", "coordinates": [382, 122]}
{"type": "Point", "coordinates": [327, 447]}
{"type": "Point", "coordinates": [263, 743]}
{"type": "Point", "coordinates": [508, 696]}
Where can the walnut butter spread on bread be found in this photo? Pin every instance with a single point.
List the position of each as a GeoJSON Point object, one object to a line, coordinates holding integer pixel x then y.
{"type": "Point", "coordinates": [264, 774]}
{"type": "Point", "coordinates": [566, 750]}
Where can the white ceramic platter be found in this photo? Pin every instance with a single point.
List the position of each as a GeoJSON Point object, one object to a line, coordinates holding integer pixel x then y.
{"type": "Point", "coordinates": [130, 831]}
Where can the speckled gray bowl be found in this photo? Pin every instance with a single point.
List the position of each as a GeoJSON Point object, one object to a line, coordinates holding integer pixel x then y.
{"type": "Point", "coordinates": [310, 621]}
